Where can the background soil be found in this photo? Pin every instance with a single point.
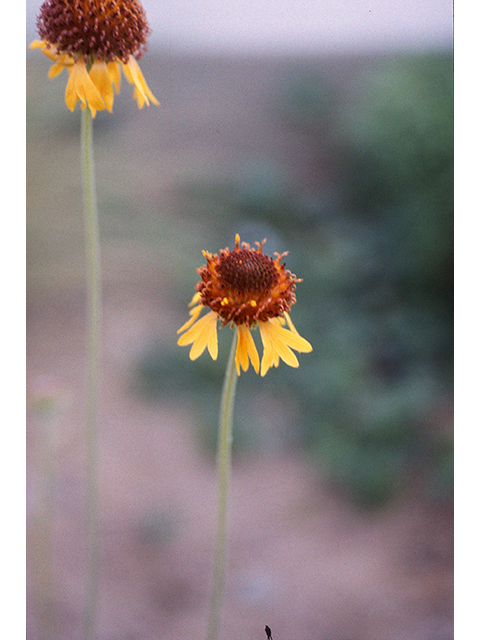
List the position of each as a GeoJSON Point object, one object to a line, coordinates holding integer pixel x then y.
{"type": "Point", "coordinates": [302, 558]}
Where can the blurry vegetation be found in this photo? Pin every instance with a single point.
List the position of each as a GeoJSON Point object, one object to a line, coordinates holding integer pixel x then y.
{"type": "Point", "coordinates": [355, 180]}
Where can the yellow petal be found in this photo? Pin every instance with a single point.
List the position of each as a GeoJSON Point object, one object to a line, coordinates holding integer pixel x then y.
{"type": "Point", "coordinates": [252, 352]}
{"type": "Point", "coordinates": [268, 358]}
{"type": "Point", "coordinates": [290, 323]}
{"type": "Point", "coordinates": [202, 334]}
{"type": "Point", "coordinates": [51, 52]}
{"type": "Point", "coordinates": [246, 350]}
{"type": "Point", "coordinates": [102, 80]}
{"type": "Point", "coordinates": [37, 44]}
{"type": "Point", "coordinates": [194, 313]}
{"type": "Point", "coordinates": [279, 338]}
{"type": "Point", "coordinates": [81, 87]}
{"type": "Point", "coordinates": [115, 74]}
{"type": "Point", "coordinates": [212, 342]}
{"type": "Point", "coordinates": [241, 354]}
{"type": "Point", "coordinates": [278, 342]}
{"type": "Point", "coordinates": [295, 341]}
{"type": "Point", "coordinates": [192, 334]}
{"type": "Point", "coordinates": [55, 70]}
{"type": "Point", "coordinates": [195, 300]}
{"type": "Point", "coordinates": [141, 93]}
{"type": "Point", "coordinates": [283, 350]}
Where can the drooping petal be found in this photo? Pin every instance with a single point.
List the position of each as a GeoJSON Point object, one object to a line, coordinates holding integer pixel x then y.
{"type": "Point", "coordinates": [241, 354]}
{"type": "Point", "coordinates": [102, 80]}
{"type": "Point", "coordinates": [81, 87]}
{"type": "Point", "coordinates": [278, 342]}
{"type": "Point", "coordinates": [246, 350]}
{"type": "Point", "coordinates": [252, 352]}
{"type": "Point", "coordinates": [71, 93]}
{"type": "Point", "coordinates": [55, 70]}
{"type": "Point", "coordinates": [37, 44]}
{"type": "Point", "coordinates": [212, 342]}
{"type": "Point", "coordinates": [141, 92]}
{"type": "Point", "coordinates": [195, 300]}
{"type": "Point", "coordinates": [295, 341]}
{"type": "Point", "coordinates": [201, 335]}
{"type": "Point", "coordinates": [290, 323]}
{"type": "Point", "coordinates": [282, 348]}
{"type": "Point", "coordinates": [115, 74]}
{"type": "Point", "coordinates": [269, 358]}
{"type": "Point", "coordinates": [50, 50]}
{"type": "Point", "coordinates": [194, 313]}
{"type": "Point", "coordinates": [47, 48]}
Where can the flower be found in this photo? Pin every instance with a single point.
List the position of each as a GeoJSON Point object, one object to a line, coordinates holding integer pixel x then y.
{"type": "Point", "coordinates": [95, 40]}
{"type": "Point", "coordinates": [246, 289]}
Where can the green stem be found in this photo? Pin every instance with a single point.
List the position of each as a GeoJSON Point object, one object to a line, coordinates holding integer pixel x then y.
{"type": "Point", "coordinates": [224, 456]}
{"type": "Point", "coordinates": [94, 307]}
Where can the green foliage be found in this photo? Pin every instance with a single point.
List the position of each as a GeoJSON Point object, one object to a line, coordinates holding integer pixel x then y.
{"type": "Point", "coordinates": [399, 135]}
{"type": "Point", "coordinates": [389, 286]}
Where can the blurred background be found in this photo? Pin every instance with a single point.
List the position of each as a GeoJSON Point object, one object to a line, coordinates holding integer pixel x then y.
{"type": "Point", "coordinates": [327, 129]}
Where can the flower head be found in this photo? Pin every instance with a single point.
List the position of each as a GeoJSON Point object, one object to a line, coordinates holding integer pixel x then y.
{"type": "Point", "coordinates": [246, 289]}
{"type": "Point", "coordinates": [95, 40]}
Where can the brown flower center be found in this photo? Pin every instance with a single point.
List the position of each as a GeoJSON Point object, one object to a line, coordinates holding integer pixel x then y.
{"type": "Point", "coordinates": [101, 29]}
{"type": "Point", "coordinates": [247, 272]}
{"type": "Point", "coordinates": [244, 286]}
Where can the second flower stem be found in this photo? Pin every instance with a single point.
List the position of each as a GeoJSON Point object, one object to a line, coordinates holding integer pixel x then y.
{"type": "Point", "coordinates": [224, 456]}
{"type": "Point", "coordinates": [94, 319]}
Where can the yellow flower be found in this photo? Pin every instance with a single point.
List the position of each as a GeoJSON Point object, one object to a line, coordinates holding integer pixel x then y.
{"type": "Point", "coordinates": [247, 289]}
{"type": "Point", "coordinates": [95, 40]}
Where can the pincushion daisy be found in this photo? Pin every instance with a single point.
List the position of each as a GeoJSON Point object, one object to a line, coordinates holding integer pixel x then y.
{"type": "Point", "coordinates": [246, 289]}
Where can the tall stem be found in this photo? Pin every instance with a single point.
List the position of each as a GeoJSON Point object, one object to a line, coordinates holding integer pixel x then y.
{"type": "Point", "coordinates": [224, 456]}
{"type": "Point", "coordinates": [94, 313]}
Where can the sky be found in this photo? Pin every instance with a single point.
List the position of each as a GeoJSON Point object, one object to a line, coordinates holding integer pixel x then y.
{"type": "Point", "coordinates": [292, 26]}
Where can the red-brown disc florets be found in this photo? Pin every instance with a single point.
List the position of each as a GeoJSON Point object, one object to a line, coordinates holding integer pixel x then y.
{"type": "Point", "coordinates": [247, 272]}
{"type": "Point", "coordinates": [102, 29]}
{"type": "Point", "coordinates": [245, 286]}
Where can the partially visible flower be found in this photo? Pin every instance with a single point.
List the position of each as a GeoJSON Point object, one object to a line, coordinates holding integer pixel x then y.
{"type": "Point", "coordinates": [95, 40]}
{"type": "Point", "coordinates": [247, 289]}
